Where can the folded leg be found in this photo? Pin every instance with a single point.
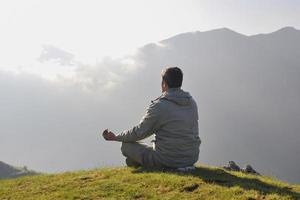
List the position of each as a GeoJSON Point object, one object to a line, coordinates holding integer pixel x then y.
{"type": "Point", "coordinates": [141, 153]}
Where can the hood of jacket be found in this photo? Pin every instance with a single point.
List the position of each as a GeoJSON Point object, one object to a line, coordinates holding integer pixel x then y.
{"type": "Point", "coordinates": [178, 96]}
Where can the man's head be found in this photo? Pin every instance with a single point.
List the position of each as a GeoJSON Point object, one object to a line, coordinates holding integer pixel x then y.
{"type": "Point", "coordinates": [171, 78]}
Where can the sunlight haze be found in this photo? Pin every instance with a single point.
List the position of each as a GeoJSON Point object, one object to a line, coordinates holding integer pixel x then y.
{"type": "Point", "coordinates": [91, 30]}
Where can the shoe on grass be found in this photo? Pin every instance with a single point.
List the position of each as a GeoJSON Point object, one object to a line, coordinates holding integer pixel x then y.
{"type": "Point", "coordinates": [132, 163]}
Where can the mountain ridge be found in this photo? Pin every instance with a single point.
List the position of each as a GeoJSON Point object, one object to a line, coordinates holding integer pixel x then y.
{"type": "Point", "coordinates": [225, 30]}
{"type": "Point", "coordinates": [8, 171]}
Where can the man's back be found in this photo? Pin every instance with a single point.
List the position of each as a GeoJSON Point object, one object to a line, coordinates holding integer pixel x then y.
{"type": "Point", "coordinates": [177, 138]}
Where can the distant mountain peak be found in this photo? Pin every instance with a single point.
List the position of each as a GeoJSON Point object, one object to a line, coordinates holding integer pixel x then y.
{"type": "Point", "coordinates": [220, 32]}
{"type": "Point", "coordinates": [8, 171]}
{"type": "Point", "coordinates": [287, 29]}
{"type": "Point", "coordinates": [225, 31]}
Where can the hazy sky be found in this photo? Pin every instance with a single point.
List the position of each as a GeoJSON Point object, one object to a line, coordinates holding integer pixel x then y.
{"type": "Point", "coordinates": [99, 79]}
{"type": "Point", "coordinates": [47, 37]}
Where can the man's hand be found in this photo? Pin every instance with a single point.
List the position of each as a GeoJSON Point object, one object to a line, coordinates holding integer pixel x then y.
{"type": "Point", "coordinates": [108, 135]}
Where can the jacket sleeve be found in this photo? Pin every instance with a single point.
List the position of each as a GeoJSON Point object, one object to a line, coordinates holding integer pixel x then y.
{"type": "Point", "coordinates": [149, 123]}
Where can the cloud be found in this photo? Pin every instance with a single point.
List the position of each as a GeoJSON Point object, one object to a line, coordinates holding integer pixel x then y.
{"type": "Point", "coordinates": [108, 75]}
{"type": "Point", "coordinates": [54, 54]}
{"type": "Point", "coordinates": [54, 126]}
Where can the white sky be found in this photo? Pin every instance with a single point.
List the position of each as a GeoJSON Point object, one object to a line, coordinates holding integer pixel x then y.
{"type": "Point", "coordinates": [91, 30]}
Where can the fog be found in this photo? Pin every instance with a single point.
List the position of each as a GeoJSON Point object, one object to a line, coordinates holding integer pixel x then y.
{"type": "Point", "coordinates": [246, 87]}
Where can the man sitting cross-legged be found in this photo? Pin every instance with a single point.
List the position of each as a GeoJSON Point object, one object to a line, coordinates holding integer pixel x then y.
{"type": "Point", "coordinates": [173, 119]}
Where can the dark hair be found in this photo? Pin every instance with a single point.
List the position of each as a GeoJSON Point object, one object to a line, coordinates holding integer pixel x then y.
{"type": "Point", "coordinates": [172, 76]}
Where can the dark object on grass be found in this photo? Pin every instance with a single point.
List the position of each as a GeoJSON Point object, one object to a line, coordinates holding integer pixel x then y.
{"type": "Point", "coordinates": [249, 170]}
{"type": "Point", "coordinates": [232, 166]}
{"type": "Point", "coordinates": [190, 188]}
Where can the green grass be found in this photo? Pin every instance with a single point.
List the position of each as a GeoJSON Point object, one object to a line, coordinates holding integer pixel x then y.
{"type": "Point", "coordinates": [129, 183]}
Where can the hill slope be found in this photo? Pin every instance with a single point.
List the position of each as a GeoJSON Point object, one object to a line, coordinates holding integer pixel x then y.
{"type": "Point", "coordinates": [8, 171]}
{"type": "Point", "coordinates": [128, 183]}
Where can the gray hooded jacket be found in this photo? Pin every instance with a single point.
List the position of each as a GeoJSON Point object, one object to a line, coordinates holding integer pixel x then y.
{"type": "Point", "coordinates": [173, 118]}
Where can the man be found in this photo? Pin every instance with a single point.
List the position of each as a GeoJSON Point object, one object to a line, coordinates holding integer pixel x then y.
{"type": "Point", "coordinates": [173, 119]}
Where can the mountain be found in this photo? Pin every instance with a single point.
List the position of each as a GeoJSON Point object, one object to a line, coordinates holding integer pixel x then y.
{"type": "Point", "coordinates": [8, 171]}
{"type": "Point", "coordinates": [248, 94]}
{"type": "Point", "coordinates": [127, 183]}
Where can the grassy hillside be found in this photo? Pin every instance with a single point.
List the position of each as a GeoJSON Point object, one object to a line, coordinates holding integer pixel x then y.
{"type": "Point", "coordinates": [129, 183]}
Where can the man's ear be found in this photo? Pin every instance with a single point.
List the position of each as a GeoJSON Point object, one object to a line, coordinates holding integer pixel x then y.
{"type": "Point", "coordinates": [165, 84]}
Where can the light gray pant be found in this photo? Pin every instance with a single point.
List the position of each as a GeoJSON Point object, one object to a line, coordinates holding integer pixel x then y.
{"type": "Point", "coordinates": [141, 153]}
